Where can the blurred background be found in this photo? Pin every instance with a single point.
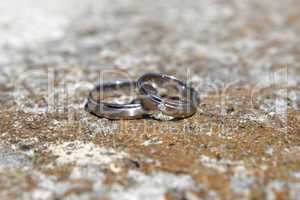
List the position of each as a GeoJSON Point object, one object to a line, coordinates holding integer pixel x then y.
{"type": "Point", "coordinates": [242, 56]}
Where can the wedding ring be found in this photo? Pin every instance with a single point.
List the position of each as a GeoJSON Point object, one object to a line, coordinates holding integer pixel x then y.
{"type": "Point", "coordinates": [168, 95]}
{"type": "Point", "coordinates": [117, 100]}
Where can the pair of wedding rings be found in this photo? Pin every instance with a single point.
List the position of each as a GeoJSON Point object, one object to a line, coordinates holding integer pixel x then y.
{"type": "Point", "coordinates": [151, 95]}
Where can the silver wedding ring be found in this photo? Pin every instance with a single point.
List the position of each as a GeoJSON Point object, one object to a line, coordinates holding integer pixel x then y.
{"type": "Point", "coordinates": [151, 95]}
{"type": "Point", "coordinates": [116, 100]}
{"type": "Point", "coordinates": [168, 95]}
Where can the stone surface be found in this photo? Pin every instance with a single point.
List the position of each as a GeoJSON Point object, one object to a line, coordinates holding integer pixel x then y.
{"type": "Point", "coordinates": [242, 56]}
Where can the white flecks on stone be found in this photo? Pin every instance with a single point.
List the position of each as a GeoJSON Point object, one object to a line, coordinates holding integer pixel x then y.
{"type": "Point", "coordinates": [152, 141]}
{"type": "Point", "coordinates": [219, 165]}
{"type": "Point", "coordinates": [10, 158]}
{"type": "Point", "coordinates": [154, 186]}
{"type": "Point", "coordinates": [126, 62]}
{"type": "Point", "coordinates": [254, 117]}
{"type": "Point", "coordinates": [49, 187]}
{"type": "Point", "coordinates": [296, 175]}
{"type": "Point", "coordinates": [272, 188]}
{"type": "Point", "coordinates": [295, 191]}
{"type": "Point", "coordinates": [264, 167]}
{"type": "Point", "coordinates": [87, 172]}
{"type": "Point", "coordinates": [292, 150]}
{"type": "Point", "coordinates": [28, 23]}
{"type": "Point", "coordinates": [213, 195]}
{"type": "Point", "coordinates": [101, 127]}
{"type": "Point", "coordinates": [40, 194]}
{"type": "Point", "coordinates": [242, 181]}
{"type": "Point", "coordinates": [82, 153]}
{"type": "Point", "coordinates": [148, 187]}
{"type": "Point", "coordinates": [160, 116]}
{"type": "Point", "coordinates": [270, 151]}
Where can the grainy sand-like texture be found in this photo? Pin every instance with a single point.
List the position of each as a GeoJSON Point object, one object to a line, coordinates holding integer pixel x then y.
{"type": "Point", "coordinates": [242, 56]}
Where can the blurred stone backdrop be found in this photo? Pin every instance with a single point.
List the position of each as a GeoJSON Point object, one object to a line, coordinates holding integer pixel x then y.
{"type": "Point", "coordinates": [242, 56]}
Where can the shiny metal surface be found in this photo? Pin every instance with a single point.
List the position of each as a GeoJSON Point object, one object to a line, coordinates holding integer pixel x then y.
{"type": "Point", "coordinates": [168, 95]}
{"type": "Point", "coordinates": [116, 100]}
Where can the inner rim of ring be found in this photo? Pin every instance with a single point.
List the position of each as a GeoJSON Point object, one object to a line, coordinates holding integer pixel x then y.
{"type": "Point", "coordinates": [166, 89]}
{"type": "Point", "coordinates": [119, 94]}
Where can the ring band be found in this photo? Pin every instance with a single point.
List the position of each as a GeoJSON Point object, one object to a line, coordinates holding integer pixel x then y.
{"type": "Point", "coordinates": [117, 100]}
{"type": "Point", "coordinates": [182, 105]}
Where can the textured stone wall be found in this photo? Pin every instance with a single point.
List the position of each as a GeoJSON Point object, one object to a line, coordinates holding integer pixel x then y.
{"type": "Point", "coordinates": [242, 56]}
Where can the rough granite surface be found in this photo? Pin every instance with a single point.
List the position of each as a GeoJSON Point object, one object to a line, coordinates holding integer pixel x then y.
{"type": "Point", "coordinates": [242, 56]}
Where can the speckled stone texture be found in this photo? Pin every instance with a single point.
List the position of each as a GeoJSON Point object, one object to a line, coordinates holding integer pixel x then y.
{"type": "Point", "coordinates": [242, 56]}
